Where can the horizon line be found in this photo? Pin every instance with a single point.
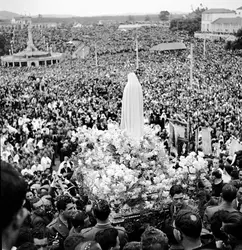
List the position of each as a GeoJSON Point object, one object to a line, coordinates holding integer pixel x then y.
{"type": "Point", "coordinates": [97, 15]}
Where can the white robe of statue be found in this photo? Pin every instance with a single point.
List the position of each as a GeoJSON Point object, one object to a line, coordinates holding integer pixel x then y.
{"type": "Point", "coordinates": [132, 120]}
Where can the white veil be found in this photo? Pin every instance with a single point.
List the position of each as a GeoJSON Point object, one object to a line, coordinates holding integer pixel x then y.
{"type": "Point", "coordinates": [132, 120]}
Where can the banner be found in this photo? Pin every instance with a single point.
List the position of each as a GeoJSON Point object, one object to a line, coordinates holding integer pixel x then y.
{"type": "Point", "coordinates": [177, 129]}
{"type": "Point", "coordinates": [182, 146]}
{"type": "Point", "coordinates": [206, 141]}
{"type": "Point", "coordinates": [234, 147]}
{"type": "Point", "coordinates": [172, 134]}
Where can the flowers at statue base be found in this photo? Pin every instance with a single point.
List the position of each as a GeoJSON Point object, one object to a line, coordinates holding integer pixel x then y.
{"type": "Point", "coordinates": [112, 166]}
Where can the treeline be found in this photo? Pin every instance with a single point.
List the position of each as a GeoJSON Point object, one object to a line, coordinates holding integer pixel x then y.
{"type": "Point", "coordinates": [237, 44]}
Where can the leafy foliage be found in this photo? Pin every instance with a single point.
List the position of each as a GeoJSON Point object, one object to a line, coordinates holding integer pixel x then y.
{"type": "Point", "coordinates": [4, 45]}
{"type": "Point", "coordinates": [191, 23]}
{"type": "Point", "coordinates": [239, 33]}
{"type": "Point", "coordinates": [147, 18]}
{"type": "Point", "coordinates": [237, 44]}
{"type": "Point", "coordinates": [164, 15]}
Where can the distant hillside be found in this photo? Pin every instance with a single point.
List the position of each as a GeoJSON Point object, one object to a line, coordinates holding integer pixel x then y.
{"type": "Point", "coordinates": [7, 15]}
{"type": "Point", "coordinates": [54, 16]}
{"type": "Point", "coordinates": [119, 19]}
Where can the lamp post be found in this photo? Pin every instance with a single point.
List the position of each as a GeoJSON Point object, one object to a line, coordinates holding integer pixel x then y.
{"type": "Point", "coordinates": [96, 55]}
{"type": "Point", "coordinates": [137, 52]}
{"type": "Point", "coordinates": [189, 128]}
{"type": "Point", "coordinates": [191, 65]}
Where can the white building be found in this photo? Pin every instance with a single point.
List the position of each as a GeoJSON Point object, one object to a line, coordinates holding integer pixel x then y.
{"type": "Point", "coordinates": [239, 11]}
{"type": "Point", "coordinates": [221, 20]}
{"type": "Point", "coordinates": [227, 25]}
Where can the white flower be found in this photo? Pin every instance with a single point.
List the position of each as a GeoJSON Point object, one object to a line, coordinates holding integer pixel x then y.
{"type": "Point", "coordinates": [165, 194]}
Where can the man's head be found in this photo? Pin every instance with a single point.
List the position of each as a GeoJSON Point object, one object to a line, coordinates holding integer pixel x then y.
{"type": "Point", "coordinates": [216, 175]}
{"type": "Point", "coordinates": [232, 225]}
{"type": "Point", "coordinates": [38, 206]}
{"type": "Point", "coordinates": [40, 237]}
{"type": "Point", "coordinates": [240, 174]}
{"type": "Point", "coordinates": [29, 195]}
{"type": "Point", "coordinates": [71, 242]}
{"type": "Point", "coordinates": [177, 195]}
{"type": "Point", "coordinates": [66, 207]}
{"type": "Point", "coordinates": [229, 192]}
{"type": "Point", "coordinates": [88, 245]}
{"type": "Point", "coordinates": [108, 239]}
{"type": "Point", "coordinates": [239, 193]}
{"type": "Point", "coordinates": [216, 163]}
{"type": "Point", "coordinates": [13, 192]}
{"type": "Point", "coordinates": [101, 210]}
{"type": "Point", "coordinates": [78, 220]}
{"type": "Point", "coordinates": [187, 226]}
{"type": "Point", "coordinates": [133, 245]}
{"type": "Point", "coordinates": [153, 239]}
{"type": "Point", "coordinates": [217, 222]}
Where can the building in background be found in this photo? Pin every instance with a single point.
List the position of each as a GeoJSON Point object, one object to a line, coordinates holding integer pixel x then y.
{"type": "Point", "coordinates": [31, 56]}
{"type": "Point", "coordinates": [23, 21]}
{"type": "Point", "coordinates": [221, 20]}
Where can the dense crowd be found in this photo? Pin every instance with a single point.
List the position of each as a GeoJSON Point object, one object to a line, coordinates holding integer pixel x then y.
{"type": "Point", "coordinates": [42, 108]}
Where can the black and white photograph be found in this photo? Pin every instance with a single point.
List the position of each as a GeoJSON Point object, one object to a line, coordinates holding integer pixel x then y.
{"type": "Point", "coordinates": [121, 124]}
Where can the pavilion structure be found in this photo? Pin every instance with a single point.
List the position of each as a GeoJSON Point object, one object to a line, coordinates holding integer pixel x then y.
{"type": "Point", "coordinates": [31, 56]}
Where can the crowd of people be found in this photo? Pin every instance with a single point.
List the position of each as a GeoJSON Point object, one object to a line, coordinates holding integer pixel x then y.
{"type": "Point", "coordinates": [43, 220]}
{"type": "Point", "coordinates": [43, 107]}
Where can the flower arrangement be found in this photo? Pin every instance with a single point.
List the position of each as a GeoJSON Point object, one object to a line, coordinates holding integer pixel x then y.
{"type": "Point", "coordinates": [114, 167]}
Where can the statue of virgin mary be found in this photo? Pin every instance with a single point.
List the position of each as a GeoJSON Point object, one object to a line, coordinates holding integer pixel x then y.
{"type": "Point", "coordinates": [132, 120]}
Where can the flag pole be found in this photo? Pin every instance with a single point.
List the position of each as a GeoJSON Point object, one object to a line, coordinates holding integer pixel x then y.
{"type": "Point", "coordinates": [191, 65]}
{"type": "Point", "coordinates": [204, 47]}
{"type": "Point", "coordinates": [137, 53]}
{"type": "Point", "coordinates": [12, 47]}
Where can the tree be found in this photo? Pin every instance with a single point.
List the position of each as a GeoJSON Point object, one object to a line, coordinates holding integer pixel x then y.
{"type": "Point", "coordinates": [228, 45]}
{"type": "Point", "coordinates": [4, 45]}
{"type": "Point", "coordinates": [191, 23]}
{"type": "Point", "coordinates": [130, 18]}
{"type": "Point", "coordinates": [147, 18]}
{"type": "Point", "coordinates": [164, 15]}
{"type": "Point", "coordinates": [239, 33]}
{"type": "Point", "coordinates": [197, 13]}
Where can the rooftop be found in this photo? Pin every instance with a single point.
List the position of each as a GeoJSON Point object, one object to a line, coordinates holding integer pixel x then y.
{"type": "Point", "coordinates": [133, 26]}
{"type": "Point", "coordinates": [168, 46]}
{"type": "Point", "coordinates": [229, 20]}
{"type": "Point", "coordinates": [210, 11]}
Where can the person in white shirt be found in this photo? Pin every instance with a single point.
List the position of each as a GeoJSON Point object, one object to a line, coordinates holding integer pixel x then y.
{"type": "Point", "coordinates": [37, 167]}
{"type": "Point", "coordinates": [65, 164]}
{"type": "Point", "coordinates": [225, 176]}
{"type": "Point", "coordinates": [45, 161]}
{"type": "Point", "coordinates": [27, 170]}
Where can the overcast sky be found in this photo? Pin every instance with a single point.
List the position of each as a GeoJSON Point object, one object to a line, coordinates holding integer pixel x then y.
{"type": "Point", "coordinates": [106, 7]}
